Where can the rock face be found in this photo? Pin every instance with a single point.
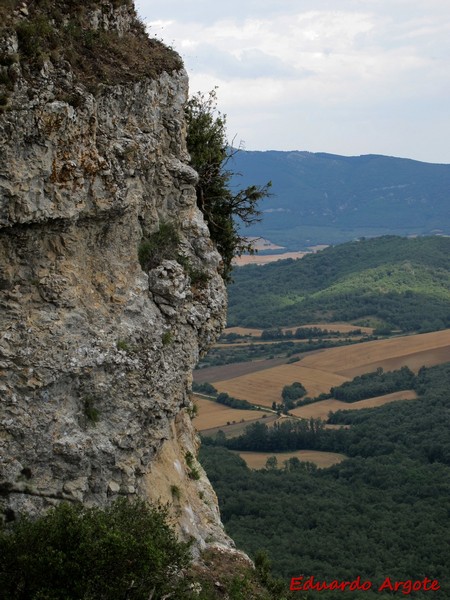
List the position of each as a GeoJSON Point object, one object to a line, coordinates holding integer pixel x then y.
{"type": "Point", "coordinates": [98, 343]}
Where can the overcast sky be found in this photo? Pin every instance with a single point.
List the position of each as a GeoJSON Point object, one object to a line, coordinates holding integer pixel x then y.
{"type": "Point", "coordinates": [342, 76]}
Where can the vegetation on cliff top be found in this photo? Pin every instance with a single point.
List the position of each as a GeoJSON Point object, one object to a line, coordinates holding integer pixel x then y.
{"type": "Point", "coordinates": [62, 30]}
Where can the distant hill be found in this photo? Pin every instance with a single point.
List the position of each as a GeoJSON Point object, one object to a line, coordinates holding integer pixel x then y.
{"type": "Point", "coordinates": [326, 198]}
{"type": "Point", "coordinates": [388, 282]}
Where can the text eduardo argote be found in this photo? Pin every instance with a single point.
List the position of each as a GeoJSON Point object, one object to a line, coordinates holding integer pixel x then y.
{"type": "Point", "coordinates": [303, 584]}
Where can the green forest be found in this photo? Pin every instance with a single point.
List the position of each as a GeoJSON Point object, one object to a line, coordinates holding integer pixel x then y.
{"type": "Point", "coordinates": [391, 283]}
{"type": "Point", "coordinates": [383, 512]}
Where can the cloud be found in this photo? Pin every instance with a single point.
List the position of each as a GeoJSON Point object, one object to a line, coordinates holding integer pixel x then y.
{"type": "Point", "coordinates": [372, 65]}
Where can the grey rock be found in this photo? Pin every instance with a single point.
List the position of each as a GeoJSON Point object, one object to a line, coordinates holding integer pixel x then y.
{"type": "Point", "coordinates": [93, 388]}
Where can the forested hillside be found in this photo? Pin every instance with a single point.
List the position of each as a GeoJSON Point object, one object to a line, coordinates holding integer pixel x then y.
{"type": "Point", "coordinates": [326, 198]}
{"type": "Point", "coordinates": [381, 513]}
{"type": "Point", "coordinates": [389, 282]}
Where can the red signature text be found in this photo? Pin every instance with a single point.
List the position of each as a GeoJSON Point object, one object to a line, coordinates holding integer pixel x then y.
{"type": "Point", "coordinates": [303, 584]}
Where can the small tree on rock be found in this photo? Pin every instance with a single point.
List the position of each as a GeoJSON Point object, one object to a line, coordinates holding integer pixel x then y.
{"type": "Point", "coordinates": [223, 209]}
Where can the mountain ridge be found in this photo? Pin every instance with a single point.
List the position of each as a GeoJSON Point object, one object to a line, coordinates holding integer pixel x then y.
{"type": "Point", "coordinates": [327, 198]}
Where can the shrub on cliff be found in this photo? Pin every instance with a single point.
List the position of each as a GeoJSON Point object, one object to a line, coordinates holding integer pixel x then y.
{"type": "Point", "coordinates": [124, 552]}
{"type": "Point", "coordinates": [223, 209]}
{"type": "Point", "coordinates": [77, 553]}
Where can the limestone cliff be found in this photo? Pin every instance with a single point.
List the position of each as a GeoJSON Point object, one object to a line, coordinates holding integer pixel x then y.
{"type": "Point", "coordinates": [109, 284]}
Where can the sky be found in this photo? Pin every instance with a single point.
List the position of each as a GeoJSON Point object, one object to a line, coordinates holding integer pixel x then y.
{"type": "Point", "coordinates": [347, 77]}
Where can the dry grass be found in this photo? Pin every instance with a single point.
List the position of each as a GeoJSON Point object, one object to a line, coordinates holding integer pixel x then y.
{"type": "Point", "coordinates": [264, 387]}
{"type": "Point", "coordinates": [320, 410]}
{"type": "Point", "coordinates": [257, 460]}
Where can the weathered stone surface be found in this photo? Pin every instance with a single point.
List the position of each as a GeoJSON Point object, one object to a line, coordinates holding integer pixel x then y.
{"type": "Point", "coordinates": [96, 355]}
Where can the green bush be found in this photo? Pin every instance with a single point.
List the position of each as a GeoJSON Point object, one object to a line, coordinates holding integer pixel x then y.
{"type": "Point", "coordinates": [167, 338]}
{"type": "Point", "coordinates": [293, 392]}
{"type": "Point", "coordinates": [91, 413]}
{"type": "Point", "coordinates": [161, 245]}
{"type": "Point", "coordinates": [123, 345]}
{"type": "Point", "coordinates": [77, 553]}
{"type": "Point", "coordinates": [36, 37]}
{"type": "Point", "coordinates": [204, 388]}
{"type": "Point", "coordinates": [193, 473]}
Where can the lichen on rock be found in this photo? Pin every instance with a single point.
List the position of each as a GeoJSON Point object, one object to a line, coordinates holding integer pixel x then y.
{"type": "Point", "coordinates": [97, 351]}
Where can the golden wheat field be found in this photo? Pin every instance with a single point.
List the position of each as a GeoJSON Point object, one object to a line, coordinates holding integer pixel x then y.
{"type": "Point", "coordinates": [340, 327]}
{"type": "Point", "coordinates": [235, 429]}
{"type": "Point", "coordinates": [264, 259]}
{"type": "Point", "coordinates": [243, 331]}
{"type": "Point", "coordinates": [257, 460]}
{"type": "Point", "coordinates": [323, 369]}
{"type": "Point", "coordinates": [264, 387]}
{"type": "Point", "coordinates": [413, 351]}
{"type": "Point", "coordinates": [320, 410]}
{"type": "Point", "coordinates": [212, 414]}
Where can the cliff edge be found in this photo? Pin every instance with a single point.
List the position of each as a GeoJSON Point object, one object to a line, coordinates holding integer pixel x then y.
{"type": "Point", "coordinates": [109, 284]}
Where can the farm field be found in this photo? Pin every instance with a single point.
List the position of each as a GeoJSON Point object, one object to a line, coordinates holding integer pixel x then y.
{"type": "Point", "coordinates": [340, 327]}
{"type": "Point", "coordinates": [264, 259]}
{"type": "Point", "coordinates": [212, 414]}
{"type": "Point", "coordinates": [260, 243]}
{"type": "Point", "coordinates": [257, 460]}
{"type": "Point", "coordinates": [264, 387]}
{"type": "Point", "coordinates": [243, 331]}
{"type": "Point", "coordinates": [261, 382]}
{"type": "Point", "coordinates": [257, 341]}
{"type": "Point", "coordinates": [233, 370]}
{"type": "Point", "coordinates": [235, 429]}
{"type": "Point", "coordinates": [414, 351]}
{"type": "Point", "coordinates": [320, 410]}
